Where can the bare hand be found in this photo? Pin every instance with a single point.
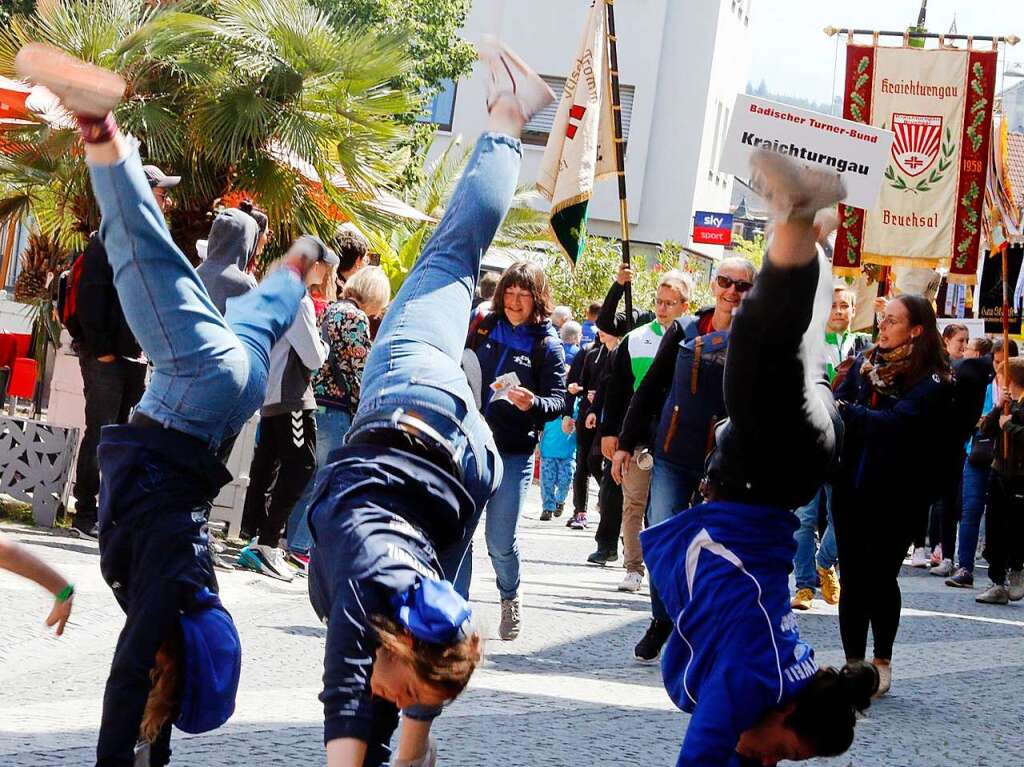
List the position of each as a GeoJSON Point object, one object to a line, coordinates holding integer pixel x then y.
{"type": "Point", "coordinates": [591, 421]}
{"type": "Point", "coordinates": [625, 274]}
{"type": "Point", "coordinates": [568, 425]}
{"type": "Point", "coordinates": [620, 465]}
{"type": "Point", "coordinates": [608, 446]}
{"type": "Point", "coordinates": [1003, 420]}
{"type": "Point", "coordinates": [574, 389]}
{"type": "Point", "coordinates": [59, 614]}
{"type": "Point", "coordinates": [880, 303]}
{"type": "Point", "coordinates": [521, 398]}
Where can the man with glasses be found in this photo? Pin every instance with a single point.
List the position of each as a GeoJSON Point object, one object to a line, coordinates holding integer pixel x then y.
{"type": "Point", "coordinates": [112, 364]}
{"type": "Point", "coordinates": [630, 364]}
{"type": "Point", "coordinates": [679, 401]}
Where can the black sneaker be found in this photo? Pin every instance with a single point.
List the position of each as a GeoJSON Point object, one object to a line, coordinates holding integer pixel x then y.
{"type": "Point", "coordinates": [545, 515]}
{"type": "Point", "coordinates": [85, 530]}
{"type": "Point", "coordinates": [602, 557]}
{"type": "Point", "coordinates": [559, 508]}
{"type": "Point", "coordinates": [648, 649]}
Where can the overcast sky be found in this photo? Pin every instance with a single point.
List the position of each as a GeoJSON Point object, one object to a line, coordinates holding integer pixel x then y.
{"type": "Point", "coordinates": [794, 57]}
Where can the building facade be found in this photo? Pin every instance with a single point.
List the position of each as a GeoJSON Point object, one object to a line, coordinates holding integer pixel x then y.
{"type": "Point", "coordinates": [681, 65]}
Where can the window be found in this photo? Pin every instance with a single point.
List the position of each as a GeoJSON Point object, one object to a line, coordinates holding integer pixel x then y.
{"type": "Point", "coordinates": [441, 109]}
{"type": "Point", "coordinates": [537, 130]}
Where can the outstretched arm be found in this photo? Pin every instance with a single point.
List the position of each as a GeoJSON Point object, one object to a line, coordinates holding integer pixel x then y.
{"type": "Point", "coordinates": [20, 562]}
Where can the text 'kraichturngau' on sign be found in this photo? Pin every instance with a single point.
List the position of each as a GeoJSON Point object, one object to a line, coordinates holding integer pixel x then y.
{"type": "Point", "coordinates": [856, 152]}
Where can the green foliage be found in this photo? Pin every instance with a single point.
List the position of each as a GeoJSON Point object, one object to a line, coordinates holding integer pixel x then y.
{"type": "Point", "coordinates": [231, 95]}
{"type": "Point", "coordinates": [750, 249]}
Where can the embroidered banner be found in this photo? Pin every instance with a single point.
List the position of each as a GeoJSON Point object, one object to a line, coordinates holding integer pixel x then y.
{"type": "Point", "coordinates": [938, 103]}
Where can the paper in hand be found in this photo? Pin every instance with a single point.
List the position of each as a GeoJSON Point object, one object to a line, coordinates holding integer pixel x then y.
{"type": "Point", "coordinates": [502, 385]}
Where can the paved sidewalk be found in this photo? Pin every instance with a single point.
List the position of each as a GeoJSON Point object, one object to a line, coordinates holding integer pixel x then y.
{"type": "Point", "coordinates": [566, 693]}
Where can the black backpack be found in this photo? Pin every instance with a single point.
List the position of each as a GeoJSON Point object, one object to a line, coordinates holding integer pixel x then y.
{"type": "Point", "coordinates": [67, 296]}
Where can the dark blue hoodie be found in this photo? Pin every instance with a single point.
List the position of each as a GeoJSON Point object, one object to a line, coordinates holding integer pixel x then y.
{"type": "Point", "coordinates": [735, 653]}
{"type": "Point", "coordinates": [534, 353]}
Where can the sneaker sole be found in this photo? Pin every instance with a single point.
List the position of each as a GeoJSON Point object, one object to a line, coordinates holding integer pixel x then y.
{"type": "Point", "coordinates": [82, 88]}
{"type": "Point", "coordinates": [494, 52]}
{"type": "Point", "coordinates": [647, 662]}
{"type": "Point", "coordinates": [954, 585]}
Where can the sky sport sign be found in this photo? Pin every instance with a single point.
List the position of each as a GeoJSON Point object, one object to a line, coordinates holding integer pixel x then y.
{"type": "Point", "coordinates": [859, 153]}
{"type": "Point", "coordinates": [712, 228]}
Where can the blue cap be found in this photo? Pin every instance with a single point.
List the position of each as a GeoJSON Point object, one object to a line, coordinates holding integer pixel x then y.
{"type": "Point", "coordinates": [212, 665]}
{"type": "Point", "coordinates": [433, 611]}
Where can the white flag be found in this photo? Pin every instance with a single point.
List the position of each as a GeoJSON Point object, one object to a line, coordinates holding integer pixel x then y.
{"type": "Point", "coordinates": [581, 145]}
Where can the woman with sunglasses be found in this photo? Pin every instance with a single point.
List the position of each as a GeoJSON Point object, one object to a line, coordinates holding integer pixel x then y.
{"type": "Point", "coordinates": [684, 405]}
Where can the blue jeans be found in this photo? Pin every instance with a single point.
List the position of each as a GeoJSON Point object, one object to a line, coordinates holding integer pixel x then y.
{"type": "Point", "coordinates": [974, 491]}
{"type": "Point", "coordinates": [555, 480]}
{"type": "Point", "coordinates": [209, 372]}
{"type": "Point", "coordinates": [502, 523]}
{"type": "Point", "coordinates": [672, 489]}
{"type": "Point", "coordinates": [415, 365]}
{"type": "Point", "coordinates": [806, 559]}
{"type": "Point", "coordinates": [332, 424]}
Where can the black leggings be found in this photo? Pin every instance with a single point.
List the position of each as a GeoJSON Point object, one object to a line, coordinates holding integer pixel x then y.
{"type": "Point", "coordinates": [584, 468]}
{"type": "Point", "coordinates": [873, 535]}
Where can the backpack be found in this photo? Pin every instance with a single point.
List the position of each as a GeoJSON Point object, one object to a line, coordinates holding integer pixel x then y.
{"type": "Point", "coordinates": [67, 297]}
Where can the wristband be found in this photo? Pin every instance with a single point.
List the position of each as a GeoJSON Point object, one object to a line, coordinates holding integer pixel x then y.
{"type": "Point", "coordinates": [65, 593]}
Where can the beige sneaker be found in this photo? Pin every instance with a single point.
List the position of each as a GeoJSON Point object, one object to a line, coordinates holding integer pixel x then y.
{"type": "Point", "coordinates": [884, 668]}
{"type": "Point", "coordinates": [791, 189]}
{"type": "Point", "coordinates": [510, 74]}
{"type": "Point", "coordinates": [829, 585]}
{"type": "Point", "coordinates": [82, 88]}
{"type": "Point", "coordinates": [631, 583]}
{"type": "Point", "coordinates": [511, 620]}
{"type": "Point", "coordinates": [804, 599]}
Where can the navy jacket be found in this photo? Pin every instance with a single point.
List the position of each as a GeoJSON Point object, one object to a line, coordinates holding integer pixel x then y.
{"type": "Point", "coordinates": [891, 445]}
{"type": "Point", "coordinates": [377, 518]}
{"type": "Point", "coordinates": [735, 652]}
{"type": "Point", "coordinates": [534, 353]}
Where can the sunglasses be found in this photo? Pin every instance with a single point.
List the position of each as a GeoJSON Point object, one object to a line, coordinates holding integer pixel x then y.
{"type": "Point", "coordinates": [742, 286]}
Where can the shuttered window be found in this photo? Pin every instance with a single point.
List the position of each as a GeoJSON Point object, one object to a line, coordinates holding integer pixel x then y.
{"type": "Point", "coordinates": [537, 130]}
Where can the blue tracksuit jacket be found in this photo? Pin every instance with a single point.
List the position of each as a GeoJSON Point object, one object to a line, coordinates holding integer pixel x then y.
{"type": "Point", "coordinates": [735, 653]}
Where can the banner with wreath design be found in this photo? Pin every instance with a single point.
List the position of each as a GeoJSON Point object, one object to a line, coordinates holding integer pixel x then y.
{"type": "Point", "coordinates": [938, 103]}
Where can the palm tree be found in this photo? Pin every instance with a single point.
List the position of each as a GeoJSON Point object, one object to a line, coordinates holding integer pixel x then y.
{"type": "Point", "coordinates": [524, 227]}
{"type": "Point", "coordinates": [217, 95]}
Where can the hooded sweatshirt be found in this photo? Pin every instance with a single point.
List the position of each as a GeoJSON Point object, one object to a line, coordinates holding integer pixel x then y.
{"type": "Point", "coordinates": [534, 353]}
{"type": "Point", "coordinates": [735, 652]}
{"type": "Point", "coordinates": [293, 359]}
{"type": "Point", "coordinates": [231, 242]}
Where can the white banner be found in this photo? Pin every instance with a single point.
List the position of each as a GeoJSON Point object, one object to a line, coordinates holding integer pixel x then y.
{"type": "Point", "coordinates": [859, 153]}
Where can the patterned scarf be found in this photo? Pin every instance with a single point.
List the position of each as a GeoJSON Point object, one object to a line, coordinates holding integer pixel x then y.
{"type": "Point", "coordinates": [885, 369]}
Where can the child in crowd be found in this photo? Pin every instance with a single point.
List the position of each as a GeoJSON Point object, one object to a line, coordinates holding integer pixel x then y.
{"type": "Point", "coordinates": [557, 467]}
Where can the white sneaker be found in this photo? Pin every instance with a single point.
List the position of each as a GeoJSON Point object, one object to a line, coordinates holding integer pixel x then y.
{"type": "Point", "coordinates": [884, 669]}
{"type": "Point", "coordinates": [429, 759]}
{"type": "Point", "coordinates": [995, 594]}
{"type": "Point", "coordinates": [921, 557]}
{"type": "Point", "coordinates": [82, 88]}
{"type": "Point", "coordinates": [945, 569]}
{"type": "Point", "coordinates": [510, 74]}
{"type": "Point", "coordinates": [631, 582]}
{"type": "Point", "coordinates": [791, 189]}
{"type": "Point", "coordinates": [275, 564]}
{"type": "Point", "coordinates": [1015, 585]}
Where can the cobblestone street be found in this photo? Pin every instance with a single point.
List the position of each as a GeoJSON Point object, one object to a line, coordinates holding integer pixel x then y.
{"type": "Point", "coordinates": [566, 693]}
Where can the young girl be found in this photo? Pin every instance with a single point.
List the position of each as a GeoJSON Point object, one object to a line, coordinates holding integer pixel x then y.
{"type": "Point", "coordinates": [734, 658]}
{"type": "Point", "coordinates": [178, 656]}
{"type": "Point", "coordinates": [393, 516]}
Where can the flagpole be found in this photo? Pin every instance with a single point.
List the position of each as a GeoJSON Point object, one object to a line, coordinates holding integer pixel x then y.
{"type": "Point", "coordinates": [1006, 339]}
{"type": "Point", "coordinates": [620, 147]}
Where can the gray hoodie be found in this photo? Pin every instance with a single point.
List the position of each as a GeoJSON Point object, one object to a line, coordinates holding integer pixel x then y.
{"type": "Point", "coordinates": [231, 242]}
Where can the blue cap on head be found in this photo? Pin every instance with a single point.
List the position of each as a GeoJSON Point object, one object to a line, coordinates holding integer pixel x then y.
{"type": "Point", "coordinates": [211, 665]}
{"type": "Point", "coordinates": [433, 611]}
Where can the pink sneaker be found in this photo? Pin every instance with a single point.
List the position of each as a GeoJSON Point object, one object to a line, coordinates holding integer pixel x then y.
{"type": "Point", "coordinates": [82, 88]}
{"type": "Point", "coordinates": [510, 74]}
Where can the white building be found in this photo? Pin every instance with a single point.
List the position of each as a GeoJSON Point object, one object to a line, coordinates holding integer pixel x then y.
{"type": "Point", "coordinates": [681, 64]}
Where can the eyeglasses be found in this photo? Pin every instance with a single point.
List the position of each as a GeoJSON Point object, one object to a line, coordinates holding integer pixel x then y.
{"type": "Point", "coordinates": [742, 286]}
{"type": "Point", "coordinates": [666, 304]}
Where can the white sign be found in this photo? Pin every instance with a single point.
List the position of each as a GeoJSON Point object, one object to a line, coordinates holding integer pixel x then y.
{"type": "Point", "coordinates": [857, 152]}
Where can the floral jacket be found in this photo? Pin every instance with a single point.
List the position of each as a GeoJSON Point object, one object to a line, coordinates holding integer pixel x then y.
{"type": "Point", "coordinates": [346, 329]}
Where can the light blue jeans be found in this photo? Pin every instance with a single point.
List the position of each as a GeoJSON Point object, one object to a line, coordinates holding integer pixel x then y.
{"type": "Point", "coordinates": [806, 559]}
{"type": "Point", "coordinates": [209, 372]}
{"type": "Point", "coordinates": [415, 365]}
{"type": "Point", "coordinates": [332, 424]}
{"type": "Point", "coordinates": [975, 490]}
{"type": "Point", "coordinates": [672, 489]}
{"type": "Point", "coordinates": [501, 527]}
